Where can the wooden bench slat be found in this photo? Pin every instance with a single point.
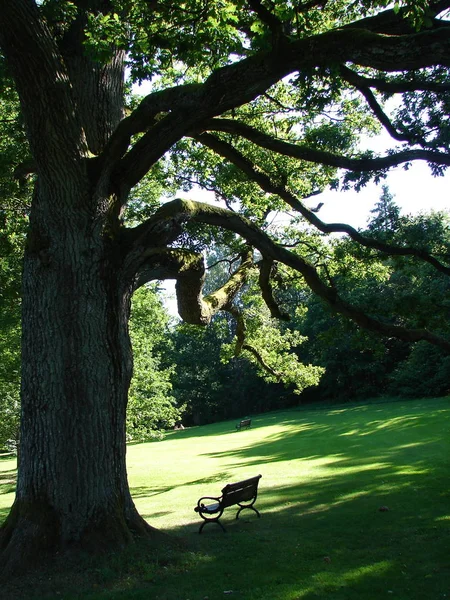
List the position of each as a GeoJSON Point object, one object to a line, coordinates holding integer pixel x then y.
{"type": "Point", "coordinates": [211, 508]}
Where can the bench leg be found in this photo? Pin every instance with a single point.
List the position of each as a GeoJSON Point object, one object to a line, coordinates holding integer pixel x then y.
{"type": "Point", "coordinates": [211, 521]}
{"type": "Point", "coordinates": [251, 507]}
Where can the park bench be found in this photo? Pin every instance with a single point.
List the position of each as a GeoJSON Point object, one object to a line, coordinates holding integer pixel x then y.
{"type": "Point", "coordinates": [244, 424]}
{"type": "Point", "coordinates": [242, 494]}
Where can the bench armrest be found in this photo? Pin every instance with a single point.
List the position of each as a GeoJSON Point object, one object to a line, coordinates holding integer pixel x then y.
{"type": "Point", "coordinates": [212, 506]}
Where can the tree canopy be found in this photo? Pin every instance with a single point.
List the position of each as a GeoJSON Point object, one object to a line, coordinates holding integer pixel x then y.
{"type": "Point", "coordinates": [263, 102]}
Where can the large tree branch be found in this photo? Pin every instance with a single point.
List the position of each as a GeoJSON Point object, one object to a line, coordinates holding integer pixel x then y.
{"type": "Point", "coordinates": [271, 20]}
{"type": "Point", "coordinates": [243, 81]}
{"type": "Point", "coordinates": [43, 86]}
{"type": "Point", "coordinates": [393, 87]}
{"type": "Point", "coordinates": [97, 86]}
{"type": "Point", "coordinates": [215, 216]}
{"type": "Point", "coordinates": [365, 90]}
{"type": "Point", "coordinates": [188, 268]}
{"type": "Point", "coordinates": [184, 98]}
{"type": "Point", "coordinates": [43, 75]}
{"type": "Point", "coordinates": [265, 275]}
{"type": "Point", "coordinates": [243, 344]}
{"type": "Point", "coordinates": [395, 23]}
{"type": "Point", "coordinates": [305, 152]}
{"type": "Point", "coordinates": [264, 181]}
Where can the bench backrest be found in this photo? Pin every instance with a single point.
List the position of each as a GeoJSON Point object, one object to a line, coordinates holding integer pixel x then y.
{"type": "Point", "coordinates": [242, 491]}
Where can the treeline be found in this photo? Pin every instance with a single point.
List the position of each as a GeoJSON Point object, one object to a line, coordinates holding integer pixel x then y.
{"type": "Point", "coordinates": [192, 375]}
{"type": "Point", "coordinates": [356, 364]}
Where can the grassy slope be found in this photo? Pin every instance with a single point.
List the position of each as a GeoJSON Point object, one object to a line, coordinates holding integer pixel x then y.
{"type": "Point", "coordinates": [326, 473]}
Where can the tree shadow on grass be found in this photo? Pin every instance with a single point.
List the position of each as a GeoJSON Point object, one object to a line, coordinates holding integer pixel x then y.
{"type": "Point", "coordinates": [229, 427]}
{"type": "Point", "coordinates": [328, 538]}
{"type": "Point", "coordinates": [8, 481]}
{"type": "Point", "coordinates": [152, 490]}
{"type": "Point", "coordinates": [339, 434]}
{"type": "Point", "coordinates": [353, 457]}
{"type": "Point", "coordinates": [365, 512]}
{"type": "Point", "coordinates": [325, 538]}
{"type": "Point", "coordinates": [321, 533]}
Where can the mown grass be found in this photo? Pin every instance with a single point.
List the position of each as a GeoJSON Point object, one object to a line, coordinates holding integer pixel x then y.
{"type": "Point", "coordinates": [325, 476]}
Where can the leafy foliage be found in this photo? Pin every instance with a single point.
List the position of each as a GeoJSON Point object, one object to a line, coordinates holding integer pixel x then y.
{"type": "Point", "coordinates": [151, 405]}
{"type": "Point", "coordinates": [12, 238]}
{"type": "Point", "coordinates": [213, 389]}
{"type": "Point", "coordinates": [14, 206]}
{"type": "Point", "coordinates": [169, 44]}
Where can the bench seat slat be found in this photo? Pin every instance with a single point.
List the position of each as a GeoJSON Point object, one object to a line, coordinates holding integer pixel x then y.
{"type": "Point", "coordinates": [211, 508]}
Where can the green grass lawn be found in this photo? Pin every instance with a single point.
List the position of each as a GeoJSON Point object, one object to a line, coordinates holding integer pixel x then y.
{"type": "Point", "coordinates": [325, 476]}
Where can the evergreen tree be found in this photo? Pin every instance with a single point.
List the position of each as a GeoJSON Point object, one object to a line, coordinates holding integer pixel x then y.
{"type": "Point", "coordinates": [386, 215]}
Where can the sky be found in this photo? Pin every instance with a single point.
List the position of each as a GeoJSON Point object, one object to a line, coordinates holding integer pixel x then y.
{"type": "Point", "coordinates": [414, 191]}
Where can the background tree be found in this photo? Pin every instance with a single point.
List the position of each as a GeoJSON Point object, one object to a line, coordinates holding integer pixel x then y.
{"type": "Point", "coordinates": [262, 102]}
{"type": "Point", "coordinates": [11, 250]}
{"type": "Point", "coordinates": [151, 405]}
{"type": "Point", "coordinates": [385, 215]}
{"type": "Point", "coordinates": [14, 206]}
{"type": "Point", "coordinates": [357, 363]}
{"type": "Point", "coordinates": [214, 390]}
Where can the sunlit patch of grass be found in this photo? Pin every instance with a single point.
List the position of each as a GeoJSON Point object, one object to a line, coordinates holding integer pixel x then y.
{"type": "Point", "coordinates": [354, 504]}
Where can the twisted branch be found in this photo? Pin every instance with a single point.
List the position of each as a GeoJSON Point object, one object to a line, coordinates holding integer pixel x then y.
{"type": "Point", "coordinates": [188, 269]}
{"type": "Point", "coordinates": [200, 212]}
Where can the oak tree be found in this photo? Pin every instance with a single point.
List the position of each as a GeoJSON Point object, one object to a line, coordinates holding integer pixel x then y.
{"type": "Point", "coordinates": [260, 101]}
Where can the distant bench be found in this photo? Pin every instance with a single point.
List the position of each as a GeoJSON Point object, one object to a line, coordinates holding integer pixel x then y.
{"type": "Point", "coordinates": [244, 424]}
{"type": "Point", "coordinates": [242, 493]}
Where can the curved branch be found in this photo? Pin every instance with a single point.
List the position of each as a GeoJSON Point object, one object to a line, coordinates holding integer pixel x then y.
{"type": "Point", "coordinates": [392, 23]}
{"type": "Point", "coordinates": [392, 87]}
{"type": "Point", "coordinates": [204, 213]}
{"type": "Point", "coordinates": [382, 117]}
{"type": "Point", "coordinates": [225, 295]}
{"type": "Point", "coordinates": [244, 164]}
{"type": "Point", "coordinates": [143, 117]}
{"type": "Point", "coordinates": [265, 272]}
{"type": "Point", "coordinates": [261, 361]}
{"type": "Point", "coordinates": [188, 269]}
{"type": "Point", "coordinates": [304, 152]}
{"type": "Point", "coordinates": [271, 20]}
{"type": "Point", "coordinates": [241, 82]}
{"type": "Point", "coordinates": [241, 343]}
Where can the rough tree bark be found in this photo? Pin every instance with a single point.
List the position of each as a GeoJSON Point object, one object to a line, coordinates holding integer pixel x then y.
{"type": "Point", "coordinates": [72, 484]}
{"type": "Point", "coordinates": [80, 270]}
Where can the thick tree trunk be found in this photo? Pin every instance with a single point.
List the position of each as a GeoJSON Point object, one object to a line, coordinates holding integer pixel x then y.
{"type": "Point", "coordinates": [72, 483]}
